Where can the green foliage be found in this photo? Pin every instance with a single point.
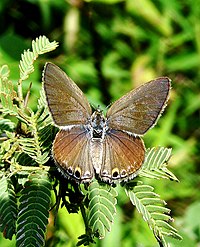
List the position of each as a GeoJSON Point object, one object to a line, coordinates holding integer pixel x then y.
{"type": "Point", "coordinates": [8, 94]}
{"type": "Point", "coordinates": [25, 146]}
{"type": "Point", "coordinates": [153, 211]}
{"type": "Point", "coordinates": [101, 208]}
{"type": "Point", "coordinates": [102, 202]}
{"type": "Point", "coordinates": [108, 47]}
{"type": "Point", "coordinates": [40, 46]}
{"type": "Point", "coordinates": [41, 130]}
{"type": "Point", "coordinates": [8, 208]}
{"type": "Point", "coordinates": [34, 204]}
{"type": "Point", "coordinates": [25, 152]}
{"type": "Point", "coordinates": [147, 202]}
{"type": "Point", "coordinates": [155, 165]}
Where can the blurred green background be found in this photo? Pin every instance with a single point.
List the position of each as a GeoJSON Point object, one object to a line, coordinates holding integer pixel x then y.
{"type": "Point", "coordinates": [109, 47]}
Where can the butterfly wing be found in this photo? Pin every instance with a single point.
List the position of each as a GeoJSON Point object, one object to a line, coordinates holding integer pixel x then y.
{"type": "Point", "coordinates": [123, 155]}
{"type": "Point", "coordinates": [71, 151]}
{"type": "Point", "coordinates": [138, 110]}
{"type": "Point", "coordinates": [67, 103]}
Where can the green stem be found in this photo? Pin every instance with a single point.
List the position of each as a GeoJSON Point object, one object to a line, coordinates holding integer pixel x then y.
{"type": "Point", "coordinates": [32, 168]}
{"type": "Point", "coordinates": [20, 94]}
{"type": "Point", "coordinates": [82, 208]}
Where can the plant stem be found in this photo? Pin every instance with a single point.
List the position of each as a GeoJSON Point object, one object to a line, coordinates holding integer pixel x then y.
{"type": "Point", "coordinates": [82, 208]}
{"type": "Point", "coordinates": [20, 94]}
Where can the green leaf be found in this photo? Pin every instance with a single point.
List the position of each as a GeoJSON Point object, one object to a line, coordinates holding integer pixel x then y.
{"type": "Point", "coordinates": [101, 208]}
{"type": "Point", "coordinates": [7, 94]}
{"type": "Point", "coordinates": [8, 207]}
{"type": "Point", "coordinates": [40, 46]}
{"type": "Point", "coordinates": [155, 165]}
{"type": "Point", "coordinates": [6, 125]}
{"type": "Point", "coordinates": [26, 64]}
{"type": "Point", "coordinates": [4, 72]}
{"type": "Point", "coordinates": [38, 146]}
{"type": "Point", "coordinates": [34, 210]}
{"type": "Point", "coordinates": [153, 211]}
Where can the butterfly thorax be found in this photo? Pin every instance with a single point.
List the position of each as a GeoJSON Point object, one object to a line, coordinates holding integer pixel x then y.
{"type": "Point", "coordinates": [98, 124]}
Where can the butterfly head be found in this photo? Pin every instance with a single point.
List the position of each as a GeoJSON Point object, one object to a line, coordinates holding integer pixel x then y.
{"type": "Point", "coordinates": [98, 123]}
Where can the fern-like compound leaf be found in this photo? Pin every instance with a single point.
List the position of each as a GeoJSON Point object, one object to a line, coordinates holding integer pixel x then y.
{"type": "Point", "coordinates": [40, 45]}
{"type": "Point", "coordinates": [38, 146]}
{"type": "Point", "coordinates": [33, 210]}
{"type": "Point", "coordinates": [7, 95]}
{"type": "Point", "coordinates": [8, 207]}
{"type": "Point", "coordinates": [155, 165]}
{"type": "Point", "coordinates": [46, 131]}
{"type": "Point", "coordinates": [6, 125]}
{"type": "Point", "coordinates": [153, 211]}
{"type": "Point", "coordinates": [101, 208]}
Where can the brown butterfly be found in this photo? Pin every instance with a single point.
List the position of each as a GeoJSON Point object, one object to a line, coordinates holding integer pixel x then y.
{"type": "Point", "coordinates": [90, 143]}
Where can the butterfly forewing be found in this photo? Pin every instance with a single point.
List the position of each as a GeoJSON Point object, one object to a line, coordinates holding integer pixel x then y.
{"type": "Point", "coordinates": [71, 151]}
{"type": "Point", "coordinates": [67, 103]}
{"type": "Point", "coordinates": [123, 155]}
{"type": "Point", "coordinates": [138, 110]}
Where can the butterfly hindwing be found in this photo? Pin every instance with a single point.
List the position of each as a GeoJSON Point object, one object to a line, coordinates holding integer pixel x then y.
{"type": "Point", "coordinates": [122, 157]}
{"type": "Point", "coordinates": [71, 151]}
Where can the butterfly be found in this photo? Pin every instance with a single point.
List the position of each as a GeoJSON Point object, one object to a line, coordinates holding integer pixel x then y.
{"type": "Point", "coordinates": [91, 144]}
